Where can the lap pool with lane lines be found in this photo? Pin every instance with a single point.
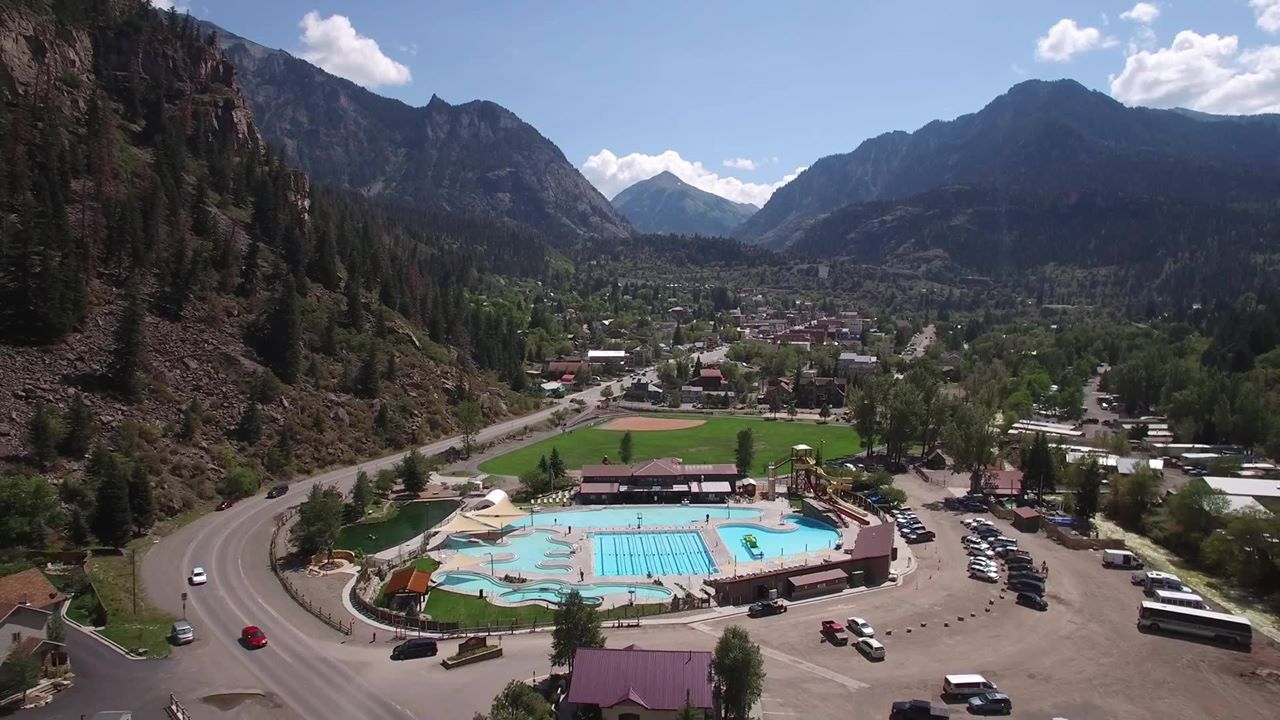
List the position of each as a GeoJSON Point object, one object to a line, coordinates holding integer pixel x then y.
{"type": "Point", "coordinates": [651, 553]}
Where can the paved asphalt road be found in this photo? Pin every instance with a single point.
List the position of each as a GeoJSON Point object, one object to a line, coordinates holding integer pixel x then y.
{"type": "Point", "coordinates": [106, 680]}
{"type": "Point", "coordinates": [301, 667]}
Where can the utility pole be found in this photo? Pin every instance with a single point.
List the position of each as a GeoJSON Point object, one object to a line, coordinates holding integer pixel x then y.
{"type": "Point", "coordinates": [133, 561]}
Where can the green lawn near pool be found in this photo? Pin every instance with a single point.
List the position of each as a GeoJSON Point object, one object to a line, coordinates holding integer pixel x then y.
{"type": "Point", "coordinates": [472, 612]}
{"type": "Point", "coordinates": [712, 442]}
{"type": "Point", "coordinates": [408, 520]}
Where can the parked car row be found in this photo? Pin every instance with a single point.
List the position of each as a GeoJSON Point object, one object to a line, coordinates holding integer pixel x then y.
{"type": "Point", "coordinates": [985, 543]}
{"type": "Point", "coordinates": [910, 526]}
{"type": "Point", "coordinates": [867, 644]}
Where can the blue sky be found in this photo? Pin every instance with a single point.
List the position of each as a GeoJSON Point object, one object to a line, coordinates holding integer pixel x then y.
{"type": "Point", "coordinates": [736, 96]}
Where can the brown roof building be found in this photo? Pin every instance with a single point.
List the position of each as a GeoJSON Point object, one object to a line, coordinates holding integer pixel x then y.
{"type": "Point", "coordinates": [31, 588]}
{"type": "Point", "coordinates": [660, 480]}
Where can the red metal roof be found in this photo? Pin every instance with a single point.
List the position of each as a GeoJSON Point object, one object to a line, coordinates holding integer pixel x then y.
{"type": "Point", "coordinates": [710, 373]}
{"type": "Point", "coordinates": [408, 580]}
{"type": "Point", "coordinates": [1026, 513]}
{"type": "Point", "coordinates": [652, 679]}
{"type": "Point", "coordinates": [873, 541]}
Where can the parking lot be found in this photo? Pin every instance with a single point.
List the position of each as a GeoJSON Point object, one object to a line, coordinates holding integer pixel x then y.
{"type": "Point", "coordinates": [1083, 658]}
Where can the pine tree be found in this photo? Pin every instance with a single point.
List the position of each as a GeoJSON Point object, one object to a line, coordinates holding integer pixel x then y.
{"type": "Point", "coordinates": [555, 465]}
{"type": "Point", "coordinates": [249, 271]}
{"type": "Point", "coordinates": [361, 496]}
{"type": "Point", "coordinates": [78, 422]}
{"type": "Point", "coordinates": [43, 435]}
{"type": "Point", "coordinates": [249, 429]}
{"type": "Point", "coordinates": [281, 336]}
{"type": "Point", "coordinates": [625, 447]}
{"type": "Point", "coordinates": [112, 514]}
{"type": "Point", "coordinates": [129, 354]}
{"type": "Point", "coordinates": [77, 527]}
{"type": "Point", "coordinates": [413, 471]}
{"type": "Point", "coordinates": [368, 384]}
{"type": "Point", "coordinates": [329, 339]}
{"type": "Point", "coordinates": [191, 416]}
{"type": "Point", "coordinates": [142, 505]}
{"type": "Point", "coordinates": [355, 306]}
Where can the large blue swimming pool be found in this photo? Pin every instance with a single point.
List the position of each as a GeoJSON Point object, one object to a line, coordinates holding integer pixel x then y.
{"type": "Point", "coordinates": [645, 517]}
{"type": "Point", "coordinates": [799, 535]}
{"type": "Point", "coordinates": [651, 554]}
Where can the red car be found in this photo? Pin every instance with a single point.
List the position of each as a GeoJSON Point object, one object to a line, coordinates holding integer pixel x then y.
{"type": "Point", "coordinates": [253, 637]}
{"type": "Point", "coordinates": [226, 504]}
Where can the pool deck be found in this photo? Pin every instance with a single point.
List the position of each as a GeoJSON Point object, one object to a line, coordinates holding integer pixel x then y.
{"type": "Point", "coordinates": [579, 559]}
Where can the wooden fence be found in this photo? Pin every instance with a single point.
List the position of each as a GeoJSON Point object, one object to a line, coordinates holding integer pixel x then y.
{"type": "Point", "coordinates": [321, 614]}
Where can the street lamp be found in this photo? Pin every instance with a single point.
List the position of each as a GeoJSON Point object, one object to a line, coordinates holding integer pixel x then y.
{"type": "Point", "coordinates": [492, 572]}
{"type": "Point", "coordinates": [639, 520]}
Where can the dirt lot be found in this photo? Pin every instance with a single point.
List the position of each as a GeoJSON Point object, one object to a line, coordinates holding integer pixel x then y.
{"type": "Point", "coordinates": [650, 424]}
{"type": "Point", "coordinates": [1082, 659]}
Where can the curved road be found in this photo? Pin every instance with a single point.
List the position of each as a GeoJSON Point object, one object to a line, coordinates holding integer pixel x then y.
{"type": "Point", "coordinates": [303, 667]}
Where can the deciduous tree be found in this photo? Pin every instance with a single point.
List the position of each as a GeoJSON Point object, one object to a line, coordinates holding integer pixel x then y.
{"type": "Point", "coordinates": [319, 521]}
{"type": "Point", "coordinates": [577, 625]}
{"type": "Point", "coordinates": [469, 421]}
{"type": "Point", "coordinates": [738, 665]}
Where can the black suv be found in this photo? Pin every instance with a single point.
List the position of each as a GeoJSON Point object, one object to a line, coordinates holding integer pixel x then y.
{"type": "Point", "coordinates": [1025, 585]}
{"type": "Point", "coordinates": [415, 648]}
{"type": "Point", "coordinates": [1032, 600]}
{"type": "Point", "coordinates": [277, 491]}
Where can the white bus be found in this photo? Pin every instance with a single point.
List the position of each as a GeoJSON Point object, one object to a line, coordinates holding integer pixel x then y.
{"type": "Point", "coordinates": [1204, 623]}
{"type": "Point", "coordinates": [1162, 581]}
{"type": "Point", "coordinates": [1181, 599]}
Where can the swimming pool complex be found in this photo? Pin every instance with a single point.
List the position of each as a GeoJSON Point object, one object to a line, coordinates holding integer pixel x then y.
{"type": "Point", "coordinates": [651, 554]}
{"type": "Point", "coordinates": [807, 535]}
{"type": "Point", "coordinates": [539, 551]}
{"type": "Point", "coordinates": [552, 591]}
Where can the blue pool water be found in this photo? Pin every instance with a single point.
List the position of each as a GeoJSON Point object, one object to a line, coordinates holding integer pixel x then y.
{"type": "Point", "coordinates": [651, 553]}
{"type": "Point", "coordinates": [650, 517]}
{"type": "Point", "coordinates": [535, 552]}
{"type": "Point", "coordinates": [548, 590]}
{"type": "Point", "coordinates": [800, 534]}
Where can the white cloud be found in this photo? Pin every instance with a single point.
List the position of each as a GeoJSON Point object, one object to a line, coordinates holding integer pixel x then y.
{"type": "Point", "coordinates": [1203, 72]}
{"type": "Point", "coordinates": [410, 49]}
{"type": "Point", "coordinates": [1268, 14]}
{"type": "Point", "coordinates": [612, 174]}
{"type": "Point", "coordinates": [334, 45]}
{"type": "Point", "coordinates": [171, 5]}
{"type": "Point", "coordinates": [1144, 13]}
{"type": "Point", "coordinates": [1067, 39]}
{"type": "Point", "coordinates": [740, 163]}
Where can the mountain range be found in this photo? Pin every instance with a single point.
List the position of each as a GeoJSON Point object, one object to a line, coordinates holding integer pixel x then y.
{"type": "Point", "coordinates": [476, 159]}
{"type": "Point", "coordinates": [1039, 137]}
{"type": "Point", "coordinates": [666, 204]}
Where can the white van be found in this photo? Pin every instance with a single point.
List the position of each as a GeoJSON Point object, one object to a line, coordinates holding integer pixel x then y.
{"type": "Point", "coordinates": [1181, 599]}
{"type": "Point", "coordinates": [871, 648]}
{"type": "Point", "coordinates": [966, 686]}
{"type": "Point", "coordinates": [1162, 581]}
{"type": "Point", "coordinates": [1120, 558]}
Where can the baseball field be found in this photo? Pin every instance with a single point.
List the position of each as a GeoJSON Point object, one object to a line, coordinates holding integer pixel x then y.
{"type": "Point", "coordinates": [693, 439]}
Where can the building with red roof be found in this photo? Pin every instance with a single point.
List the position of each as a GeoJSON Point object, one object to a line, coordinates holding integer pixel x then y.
{"type": "Point", "coordinates": [632, 683]}
{"type": "Point", "coordinates": [662, 480]}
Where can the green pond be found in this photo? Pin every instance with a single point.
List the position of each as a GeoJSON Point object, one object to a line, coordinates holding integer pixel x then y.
{"type": "Point", "coordinates": [410, 520]}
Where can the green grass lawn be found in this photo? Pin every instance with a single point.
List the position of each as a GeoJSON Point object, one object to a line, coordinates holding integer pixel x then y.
{"type": "Point", "coordinates": [148, 627]}
{"type": "Point", "coordinates": [711, 442]}
{"type": "Point", "coordinates": [469, 611]}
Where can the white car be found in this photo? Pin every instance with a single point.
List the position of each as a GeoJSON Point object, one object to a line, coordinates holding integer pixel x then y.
{"type": "Point", "coordinates": [870, 648]}
{"type": "Point", "coordinates": [987, 575]}
{"type": "Point", "coordinates": [971, 540]}
{"type": "Point", "coordinates": [982, 563]}
{"type": "Point", "coordinates": [860, 627]}
{"type": "Point", "coordinates": [198, 577]}
{"type": "Point", "coordinates": [981, 552]}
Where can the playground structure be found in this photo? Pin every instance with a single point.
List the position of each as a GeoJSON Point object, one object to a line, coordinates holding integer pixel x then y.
{"type": "Point", "coordinates": [753, 547]}
{"type": "Point", "coordinates": [806, 477]}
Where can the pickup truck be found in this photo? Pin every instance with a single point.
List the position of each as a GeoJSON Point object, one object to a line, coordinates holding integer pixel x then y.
{"type": "Point", "coordinates": [834, 632]}
{"type": "Point", "coordinates": [765, 608]}
{"type": "Point", "coordinates": [918, 710]}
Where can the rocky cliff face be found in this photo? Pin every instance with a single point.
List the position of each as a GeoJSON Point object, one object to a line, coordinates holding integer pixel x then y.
{"type": "Point", "coordinates": [477, 158]}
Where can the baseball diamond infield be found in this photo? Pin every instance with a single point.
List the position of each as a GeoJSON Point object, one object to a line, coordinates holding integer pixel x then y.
{"type": "Point", "coordinates": [650, 424]}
